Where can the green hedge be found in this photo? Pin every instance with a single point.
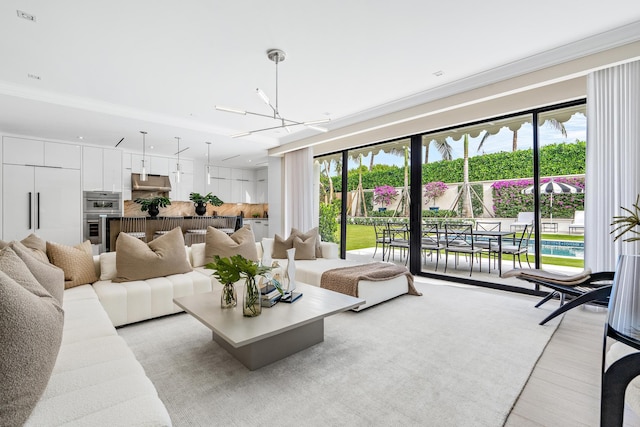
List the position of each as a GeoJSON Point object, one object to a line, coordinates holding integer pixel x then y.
{"type": "Point", "coordinates": [555, 159]}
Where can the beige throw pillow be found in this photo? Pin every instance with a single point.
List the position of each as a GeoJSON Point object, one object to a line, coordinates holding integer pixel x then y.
{"type": "Point", "coordinates": [163, 256]}
{"type": "Point", "coordinates": [37, 246]}
{"type": "Point", "coordinates": [280, 246]}
{"type": "Point", "coordinates": [31, 325]}
{"type": "Point", "coordinates": [305, 249]}
{"type": "Point", "coordinates": [76, 262]}
{"type": "Point", "coordinates": [311, 233]}
{"type": "Point", "coordinates": [242, 242]}
{"type": "Point", "coordinates": [48, 275]}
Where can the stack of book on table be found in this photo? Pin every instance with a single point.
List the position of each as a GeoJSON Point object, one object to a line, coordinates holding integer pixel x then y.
{"type": "Point", "coordinates": [270, 295]}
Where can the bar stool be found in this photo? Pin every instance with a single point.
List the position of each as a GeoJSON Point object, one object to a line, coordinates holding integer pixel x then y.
{"type": "Point", "coordinates": [168, 224]}
{"type": "Point", "coordinates": [134, 227]}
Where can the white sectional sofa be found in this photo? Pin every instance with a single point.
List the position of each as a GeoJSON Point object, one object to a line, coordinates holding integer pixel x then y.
{"type": "Point", "coordinates": [96, 380]}
{"type": "Point", "coordinates": [310, 272]}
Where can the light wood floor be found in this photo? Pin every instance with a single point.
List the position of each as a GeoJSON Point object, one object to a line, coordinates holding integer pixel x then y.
{"type": "Point", "coordinates": [564, 387]}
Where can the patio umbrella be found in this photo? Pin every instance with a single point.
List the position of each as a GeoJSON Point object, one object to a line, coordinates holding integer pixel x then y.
{"type": "Point", "coordinates": [552, 188]}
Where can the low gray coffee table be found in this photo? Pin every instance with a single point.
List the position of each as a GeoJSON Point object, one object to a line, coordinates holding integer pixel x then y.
{"type": "Point", "coordinates": [278, 332]}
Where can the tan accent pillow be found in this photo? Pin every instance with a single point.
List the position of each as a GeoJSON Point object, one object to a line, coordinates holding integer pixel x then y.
{"type": "Point", "coordinates": [37, 246]}
{"type": "Point", "coordinates": [76, 262]}
{"type": "Point", "coordinates": [163, 256]}
{"type": "Point", "coordinates": [304, 249]}
{"type": "Point", "coordinates": [31, 325]}
{"type": "Point", "coordinates": [48, 275]}
{"type": "Point", "coordinates": [280, 246]}
{"type": "Point", "coordinates": [242, 242]}
{"type": "Point", "coordinates": [3, 244]}
{"type": "Point", "coordinates": [304, 236]}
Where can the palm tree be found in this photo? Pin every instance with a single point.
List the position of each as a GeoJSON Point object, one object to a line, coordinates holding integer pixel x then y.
{"type": "Point", "coordinates": [467, 211]}
{"type": "Point", "coordinates": [554, 123]}
{"type": "Point", "coordinates": [443, 147]}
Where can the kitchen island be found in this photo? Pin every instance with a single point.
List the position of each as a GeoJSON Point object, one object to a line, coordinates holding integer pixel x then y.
{"type": "Point", "coordinates": [154, 224]}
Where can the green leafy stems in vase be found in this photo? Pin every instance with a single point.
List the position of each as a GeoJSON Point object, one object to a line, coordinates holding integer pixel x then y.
{"type": "Point", "coordinates": [230, 270]}
{"type": "Point", "coordinates": [227, 274]}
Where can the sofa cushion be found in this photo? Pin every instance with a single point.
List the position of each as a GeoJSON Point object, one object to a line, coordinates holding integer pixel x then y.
{"type": "Point", "coordinates": [163, 256]}
{"type": "Point", "coordinates": [311, 233]}
{"type": "Point", "coordinates": [75, 261]}
{"type": "Point", "coordinates": [31, 325]}
{"type": "Point", "coordinates": [242, 242]}
{"type": "Point", "coordinates": [305, 249]}
{"type": "Point", "coordinates": [48, 275]}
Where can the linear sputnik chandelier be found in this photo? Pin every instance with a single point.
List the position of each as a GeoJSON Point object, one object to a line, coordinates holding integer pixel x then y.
{"type": "Point", "coordinates": [277, 56]}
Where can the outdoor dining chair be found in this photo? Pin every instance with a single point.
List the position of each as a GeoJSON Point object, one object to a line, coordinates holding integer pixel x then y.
{"type": "Point", "coordinates": [398, 233]}
{"type": "Point", "coordinates": [459, 240]}
{"type": "Point", "coordinates": [518, 245]}
{"type": "Point", "coordinates": [431, 241]}
{"type": "Point", "coordinates": [382, 238]}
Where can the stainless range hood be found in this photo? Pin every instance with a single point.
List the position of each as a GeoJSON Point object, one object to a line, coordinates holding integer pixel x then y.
{"type": "Point", "coordinates": [156, 183]}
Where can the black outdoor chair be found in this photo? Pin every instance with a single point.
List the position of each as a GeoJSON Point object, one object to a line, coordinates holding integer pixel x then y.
{"type": "Point", "coordinates": [516, 247]}
{"type": "Point", "coordinates": [431, 240]}
{"type": "Point", "coordinates": [382, 238]}
{"type": "Point", "coordinates": [459, 240]}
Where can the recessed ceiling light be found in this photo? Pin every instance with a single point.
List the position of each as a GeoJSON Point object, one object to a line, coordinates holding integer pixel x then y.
{"type": "Point", "coordinates": [438, 73]}
{"type": "Point", "coordinates": [27, 16]}
{"type": "Point", "coordinates": [80, 137]}
{"type": "Point", "coordinates": [151, 147]}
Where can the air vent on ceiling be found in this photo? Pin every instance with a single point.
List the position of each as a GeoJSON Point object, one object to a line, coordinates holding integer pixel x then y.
{"type": "Point", "coordinates": [27, 16]}
{"type": "Point", "coordinates": [33, 76]}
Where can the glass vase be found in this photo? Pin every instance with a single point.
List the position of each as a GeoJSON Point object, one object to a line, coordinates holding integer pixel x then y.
{"type": "Point", "coordinates": [229, 297]}
{"type": "Point", "coordinates": [251, 304]}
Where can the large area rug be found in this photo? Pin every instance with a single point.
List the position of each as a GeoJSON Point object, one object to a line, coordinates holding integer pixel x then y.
{"type": "Point", "coordinates": [452, 357]}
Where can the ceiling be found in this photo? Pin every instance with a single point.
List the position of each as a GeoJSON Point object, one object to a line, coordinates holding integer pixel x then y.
{"type": "Point", "coordinates": [106, 70]}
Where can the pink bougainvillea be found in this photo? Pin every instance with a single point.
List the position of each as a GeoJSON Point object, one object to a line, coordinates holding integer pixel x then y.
{"type": "Point", "coordinates": [433, 190]}
{"type": "Point", "coordinates": [384, 195]}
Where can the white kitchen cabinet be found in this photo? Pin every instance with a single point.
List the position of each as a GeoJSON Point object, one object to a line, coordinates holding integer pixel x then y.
{"type": "Point", "coordinates": [41, 200]}
{"type": "Point", "coordinates": [159, 165]}
{"type": "Point", "coordinates": [224, 185]}
{"type": "Point", "coordinates": [262, 186]}
{"type": "Point", "coordinates": [101, 169]}
{"type": "Point", "coordinates": [259, 226]}
{"type": "Point", "coordinates": [32, 152]}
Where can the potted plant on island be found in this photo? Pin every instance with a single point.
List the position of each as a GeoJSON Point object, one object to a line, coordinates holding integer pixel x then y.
{"type": "Point", "coordinates": [201, 201]}
{"type": "Point", "coordinates": [384, 195]}
{"type": "Point", "coordinates": [153, 204]}
{"type": "Point", "coordinates": [433, 190]}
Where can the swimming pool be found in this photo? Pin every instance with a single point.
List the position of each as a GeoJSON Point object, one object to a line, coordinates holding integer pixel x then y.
{"type": "Point", "coordinates": [560, 248]}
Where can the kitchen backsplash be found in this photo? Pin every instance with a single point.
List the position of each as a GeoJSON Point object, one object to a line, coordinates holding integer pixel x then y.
{"type": "Point", "coordinates": [176, 208]}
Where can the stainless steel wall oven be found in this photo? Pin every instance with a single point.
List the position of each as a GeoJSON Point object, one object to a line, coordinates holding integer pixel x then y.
{"type": "Point", "coordinates": [98, 206]}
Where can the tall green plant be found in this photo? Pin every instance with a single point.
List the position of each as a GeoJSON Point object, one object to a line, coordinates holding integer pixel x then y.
{"type": "Point", "coordinates": [328, 225]}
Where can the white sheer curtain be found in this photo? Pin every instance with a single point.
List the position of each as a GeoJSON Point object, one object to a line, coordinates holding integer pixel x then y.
{"type": "Point", "coordinates": [298, 190]}
{"type": "Point", "coordinates": [613, 160]}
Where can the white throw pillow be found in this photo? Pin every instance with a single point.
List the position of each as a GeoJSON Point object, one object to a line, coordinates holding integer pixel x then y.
{"type": "Point", "coordinates": [198, 254]}
{"type": "Point", "coordinates": [108, 266]}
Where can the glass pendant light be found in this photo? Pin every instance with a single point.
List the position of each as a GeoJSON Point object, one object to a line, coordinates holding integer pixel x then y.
{"type": "Point", "coordinates": [143, 174]}
{"type": "Point", "coordinates": [208, 163]}
{"type": "Point", "coordinates": [178, 162]}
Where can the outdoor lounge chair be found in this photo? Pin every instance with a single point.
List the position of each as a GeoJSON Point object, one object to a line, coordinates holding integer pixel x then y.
{"type": "Point", "coordinates": [524, 219]}
{"type": "Point", "coordinates": [584, 287]}
{"type": "Point", "coordinates": [578, 222]}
